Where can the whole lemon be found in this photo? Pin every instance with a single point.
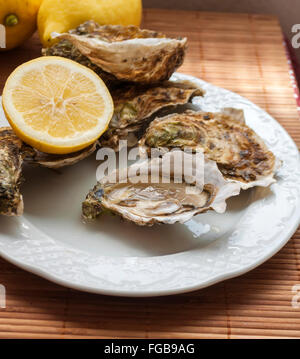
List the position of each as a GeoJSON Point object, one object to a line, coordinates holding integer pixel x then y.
{"type": "Point", "coordinates": [63, 15]}
{"type": "Point", "coordinates": [17, 21]}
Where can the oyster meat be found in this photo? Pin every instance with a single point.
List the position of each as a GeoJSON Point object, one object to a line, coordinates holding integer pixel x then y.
{"type": "Point", "coordinates": [13, 153]}
{"type": "Point", "coordinates": [241, 155]}
{"type": "Point", "coordinates": [126, 52]}
{"type": "Point", "coordinates": [137, 196]}
{"type": "Point", "coordinates": [134, 106]}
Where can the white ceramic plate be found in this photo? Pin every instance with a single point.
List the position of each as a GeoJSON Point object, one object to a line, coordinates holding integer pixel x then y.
{"type": "Point", "coordinates": [118, 258]}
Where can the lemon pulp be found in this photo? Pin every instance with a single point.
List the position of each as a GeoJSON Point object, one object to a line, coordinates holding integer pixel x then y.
{"type": "Point", "coordinates": [57, 105]}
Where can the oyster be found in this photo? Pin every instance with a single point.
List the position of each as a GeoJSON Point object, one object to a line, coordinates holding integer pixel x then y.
{"type": "Point", "coordinates": [11, 200]}
{"type": "Point", "coordinates": [13, 153]}
{"type": "Point", "coordinates": [134, 105]}
{"type": "Point", "coordinates": [126, 52]}
{"type": "Point", "coordinates": [33, 156]}
{"type": "Point", "coordinates": [138, 196]}
{"type": "Point", "coordinates": [241, 155]}
{"type": "Point", "coordinates": [65, 48]}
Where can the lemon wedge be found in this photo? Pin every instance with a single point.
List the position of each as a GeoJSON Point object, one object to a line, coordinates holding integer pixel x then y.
{"type": "Point", "coordinates": [57, 105]}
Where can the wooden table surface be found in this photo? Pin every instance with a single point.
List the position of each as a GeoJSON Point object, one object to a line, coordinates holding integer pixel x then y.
{"type": "Point", "coordinates": [243, 53]}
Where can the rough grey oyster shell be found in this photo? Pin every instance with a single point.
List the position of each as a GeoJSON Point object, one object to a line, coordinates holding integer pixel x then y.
{"type": "Point", "coordinates": [13, 153]}
{"type": "Point", "coordinates": [134, 106]}
{"type": "Point", "coordinates": [139, 198]}
{"type": "Point", "coordinates": [241, 155]}
{"type": "Point", "coordinates": [65, 48]}
{"type": "Point", "coordinates": [127, 52]}
{"type": "Point", "coordinates": [11, 159]}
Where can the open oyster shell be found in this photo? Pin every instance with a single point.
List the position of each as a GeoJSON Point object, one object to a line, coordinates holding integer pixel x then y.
{"type": "Point", "coordinates": [127, 52]}
{"type": "Point", "coordinates": [134, 105]}
{"type": "Point", "coordinates": [33, 156]}
{"type": "Point", "coordinates": [241, 155]}
{"type": "Point", "coordinates": [13, 153]}
{"type": "Point", "coordinates": [138, 196]}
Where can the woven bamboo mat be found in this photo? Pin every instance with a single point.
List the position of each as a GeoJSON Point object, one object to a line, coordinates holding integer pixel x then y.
{"type": "Point", "coordinates": [245, 54]}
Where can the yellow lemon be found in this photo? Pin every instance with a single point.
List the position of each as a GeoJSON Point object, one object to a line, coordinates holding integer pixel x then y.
{"type": "Point", "coordinates": [19, 21]}
{"type": "Point", "coordinates": [56, 105]}
{"type": "Point", "coordinates": [63, 15]}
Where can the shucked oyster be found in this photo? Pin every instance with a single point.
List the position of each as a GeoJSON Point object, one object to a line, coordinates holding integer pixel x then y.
{"type": "Point", "coordinates": [134, 105]}
{"type": "Point", "coordinates": [145, 193]}
{"type": "Point", "coordinates": [241, 155]}
{"type": "Point", "coordinates": [13, 153]}
{"type": "Point", "coordinates": [127, 52]}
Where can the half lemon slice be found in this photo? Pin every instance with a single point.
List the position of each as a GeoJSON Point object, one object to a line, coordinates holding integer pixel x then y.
{"type": "Point", "coordinates": [57, 105]}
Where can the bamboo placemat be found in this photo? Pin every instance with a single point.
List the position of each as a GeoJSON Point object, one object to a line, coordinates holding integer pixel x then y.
{"type": "Point", "coordinates": [245, 54]}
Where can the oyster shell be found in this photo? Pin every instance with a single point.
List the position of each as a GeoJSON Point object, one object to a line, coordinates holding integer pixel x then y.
{"type": "Point", "coordinates": [127, 52]}
{"type": "Point", "coordinates": [13, 153]}
{"type": "Point", "coordinates": [11, 200]}
{"type": "Point", "coordinates": [241, 155]}
{"type": "Point", "coordinates": [134, 105]}
{"type": "Point", "coordinates": [145, 200]}
{"type": "Point", "coordinates": [65, 48]}
{"type": "Point", "coordinates": [33, 156]}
